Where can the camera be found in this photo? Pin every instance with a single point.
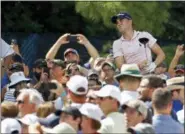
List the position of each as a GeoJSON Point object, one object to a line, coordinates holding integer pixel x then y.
{"type": "Point", "coordinates": [72, 38]}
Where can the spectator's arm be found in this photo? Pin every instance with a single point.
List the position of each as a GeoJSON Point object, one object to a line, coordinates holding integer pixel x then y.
{"type": "Point", "coordinates": [90, 48]}
{"type": "Point", "coordinates": [119, 62]}
{"type": "Point", "coordinates": [179, 52]}
{"type": "Point", "coordinates": [15, 47]}
{"type": "Point", "coordinates": [156, 49]}
{"type": "Point", "coordinates": [54, 49]}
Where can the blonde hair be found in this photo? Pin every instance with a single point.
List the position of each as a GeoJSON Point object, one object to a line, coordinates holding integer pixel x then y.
{"type": "Point", "coordinates": [45, 109]}
{"type": "Point", "coordinates": [9, 109]}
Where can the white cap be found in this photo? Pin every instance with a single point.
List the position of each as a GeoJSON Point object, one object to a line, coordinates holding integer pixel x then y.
{"type": "Point", "coordinates": [29, 119]}
{"type": "Point", "coordinates": [16, 78]}
{"type": "Point", "coordinates": [139, 105]}
{"type": "Point", "coordinates": [92, 111]}
{"type": "Point", "coordinates": [110, 91]}
{"type": "Point", "coordinates": [175, 83]}
{"type": "Point", "coordinates": [6, 49]}
{"type": "Point", "coordinates": [63, 128]}
{"type": "Point", "coordinates": [9, 125]}
{"type": "Point", "coordinates": [76, 82]}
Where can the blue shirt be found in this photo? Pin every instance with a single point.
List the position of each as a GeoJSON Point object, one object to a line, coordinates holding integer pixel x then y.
{"type": "Point", "coordinates": [177, 105]}
{"type": "Point", "coordinates": [5, 80]}
{"type": "Point", "coordinates": [165, 124]}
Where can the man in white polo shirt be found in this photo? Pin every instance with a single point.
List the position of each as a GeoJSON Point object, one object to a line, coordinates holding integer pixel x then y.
{"type": "Point", "coordinates": [134, 46]}
{"type": "Point", "coordinates": [109, 100]}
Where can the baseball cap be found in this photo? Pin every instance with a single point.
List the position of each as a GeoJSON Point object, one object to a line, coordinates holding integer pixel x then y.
{"type": "Point", "coordinates": [98, 63]}
{"type": "Point", "coordinates": [122, 15]}
{"type": "Point", "coordinates": [63, 128]}
{"type": "Point", "coordinates": [74, 111]}
{"type": "Point", "coordinates": [109, 91]}
{"type": "Point", "coordinates": [76, 82]}
{"type": "Point", "coordinates": [10, 125]}
{"type": "Point", "coordinates": [58, 62]}
{"type": "Point", "coordinates": [179, 68]}
{"type": "Point", "coordinates": [39, 63]}
{"type": "Point", "coordinates": [16, 78]}
{"type": "Point", "coordinates": [109, 64]}
{"type": "Point", "coordinates": [92, 72]}
{"type": "Point", "coordinates": [70, 50]}
{"type": "Point", "coordinates": [138, 105]}
{"type": "Point", "coordinates": [29, 119]}
{"type": "Point", "coordinates": [175, 83]}
{"type": "Point", "coordinates": [16, 67]}
{"type": "Point", "coordinates": [92, 111]}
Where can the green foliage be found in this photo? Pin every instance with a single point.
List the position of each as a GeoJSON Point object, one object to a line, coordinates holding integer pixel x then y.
{"type": "Point", "coordinates": [149, 16]}
{"type": "Point", "coordinates": [175, 28]}
{"type": "Point", "coordinates": [164, 19]}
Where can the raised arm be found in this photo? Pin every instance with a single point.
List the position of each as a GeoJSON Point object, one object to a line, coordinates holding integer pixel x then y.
{"type": "Point", "coordinates": [54, 49]}
{"type": "Point", "coordinates": [179, 52]}
{"type": "Point", "coordinates": [90, 48]}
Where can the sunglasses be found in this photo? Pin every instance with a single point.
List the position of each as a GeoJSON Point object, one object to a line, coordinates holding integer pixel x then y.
{"type": "Point", "coordinates": [20, 102]}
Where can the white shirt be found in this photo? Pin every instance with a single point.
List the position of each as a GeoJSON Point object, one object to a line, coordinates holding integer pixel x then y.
{"type": "Point", "coordinates": [114, 123]}
{"type": "Point", "coordinates": [5, 50]}
{"type": "Point", "coordinates": [132, 50]}
{"type": "Point", "coordinates": [180, 115]}
{"type": "Point", "coordinates": [128, 95]}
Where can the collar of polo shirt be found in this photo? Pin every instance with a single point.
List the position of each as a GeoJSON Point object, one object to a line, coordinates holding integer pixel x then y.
{"type": "Point", "coordinates": [136, 33]}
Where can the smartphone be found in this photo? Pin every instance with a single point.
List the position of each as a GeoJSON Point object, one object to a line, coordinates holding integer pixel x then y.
{"type": "Point", "coordinates": [46, 70]}
{"type": "Point", "coordinates": [143, 40]}
{"type": "Point", "coordinates": [72, 38]}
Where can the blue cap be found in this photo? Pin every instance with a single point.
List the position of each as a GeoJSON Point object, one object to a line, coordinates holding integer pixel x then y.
{"type": "Point", "coordinates": [121, 16]}
{"type": "Point", "coordinates": [50, 121]}
{"type": "Point", "coordinates": [70, 50]}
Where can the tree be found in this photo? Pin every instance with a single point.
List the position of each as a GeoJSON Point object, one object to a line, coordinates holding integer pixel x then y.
{"type": "Point", "coordinates": [148, 16]}
{"type": "Point", "coordinates": [40, 17]}
{"type": "Point", "coordinates": [175, 28]}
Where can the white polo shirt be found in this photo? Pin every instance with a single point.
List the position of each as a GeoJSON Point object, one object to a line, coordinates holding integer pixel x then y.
{"type": "Point", "coordinates": [132, 50]}
{"type": "Point", "coordinates": [128, 95]}
{"type": "Point", "coordinates": [115, 122]}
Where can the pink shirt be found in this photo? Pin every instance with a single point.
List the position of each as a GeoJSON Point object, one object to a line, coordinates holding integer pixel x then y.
{"type": "Point", "coordinates": [132, 50]}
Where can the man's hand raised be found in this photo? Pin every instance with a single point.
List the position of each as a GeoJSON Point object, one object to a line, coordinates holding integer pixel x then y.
{"type": "Point", "coordinates": [63, 39]}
